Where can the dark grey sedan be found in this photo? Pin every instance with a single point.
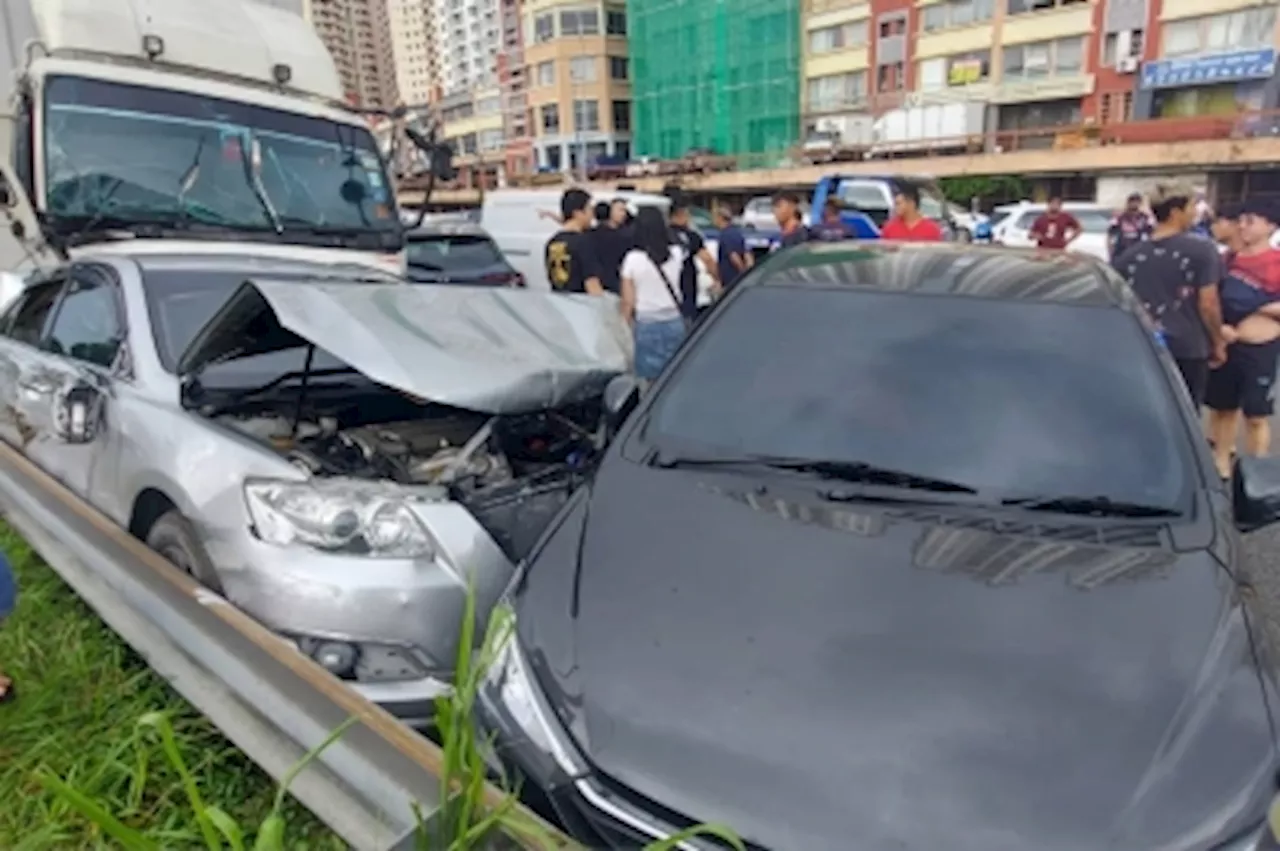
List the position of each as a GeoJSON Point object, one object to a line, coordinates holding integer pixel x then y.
{"type": "Point", "coordinates": [458, 253]}
{"type": "Point", "coordinates": [910, 547]}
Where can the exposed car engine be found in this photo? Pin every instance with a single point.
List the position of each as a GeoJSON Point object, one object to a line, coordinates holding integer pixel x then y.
{"type": "Point", "coordinates": [512, 472]}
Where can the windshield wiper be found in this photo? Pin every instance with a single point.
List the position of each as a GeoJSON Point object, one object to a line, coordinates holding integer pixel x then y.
{"type": "Point", "coordinates": [253, 175]}
{"type": "Point", "coordinates": [843, 471]}
{"type": "Point", "coordinates": [1093, 506]}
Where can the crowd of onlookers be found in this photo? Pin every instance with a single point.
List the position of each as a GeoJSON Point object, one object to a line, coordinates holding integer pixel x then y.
{"type": "Point", "coordinates": [652, 261]}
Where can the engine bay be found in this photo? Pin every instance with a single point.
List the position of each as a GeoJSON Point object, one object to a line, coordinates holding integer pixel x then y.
{"type": "Point", "coordinates": [463, 450]}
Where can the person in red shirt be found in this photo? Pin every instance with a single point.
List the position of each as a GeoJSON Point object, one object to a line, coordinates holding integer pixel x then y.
{"type": "Point", "coordinates": [907, 224]}
{"type": "Point", "coordinates": [1055, 228]}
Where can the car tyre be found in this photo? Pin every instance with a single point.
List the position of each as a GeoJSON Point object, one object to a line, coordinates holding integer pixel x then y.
{"type": "Point", "coordinates": [963, 235]}
{"type": "Point", "coordinates": [175, 538]}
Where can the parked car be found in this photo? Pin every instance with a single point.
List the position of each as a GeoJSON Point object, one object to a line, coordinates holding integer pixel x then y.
{"type": "Point", "coordinates": [1014, 231]}
{"type": "Point", "coordinates": [970, 226]}
{"type": "Point", "coordinates": [339, 455]}
{"type": "Point", "coordinates": [866, 201]}
{"type": "Point", "coordinates": [988, 596]}
{"type": "Point", "coordinates": [457, 252]}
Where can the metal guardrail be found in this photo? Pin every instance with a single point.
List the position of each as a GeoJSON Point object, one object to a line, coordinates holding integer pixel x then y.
{"type": "Point", "coordinates": [272, 702]}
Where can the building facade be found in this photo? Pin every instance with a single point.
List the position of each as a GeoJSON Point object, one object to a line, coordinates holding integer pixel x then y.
{"type": "Point", "coordinates": [413, 44]}
{"type": "Point", "coordinates": [468, 38]}
{"type": "Point", "coordinates": [358, 35]}
{"type": "Point", "coordinates": [579, 89]}
{"type": "Point", "coordinates": [721, 75]}
{"type": "Point", "coordinates": [513, 84]}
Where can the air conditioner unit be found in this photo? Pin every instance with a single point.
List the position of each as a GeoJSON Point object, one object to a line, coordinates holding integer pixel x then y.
{"type": "Point", "coordinates": [1127, 64]}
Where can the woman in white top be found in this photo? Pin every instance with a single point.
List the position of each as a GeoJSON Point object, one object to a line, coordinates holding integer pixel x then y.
{"type": "Point", "coordinates": [650, 293]}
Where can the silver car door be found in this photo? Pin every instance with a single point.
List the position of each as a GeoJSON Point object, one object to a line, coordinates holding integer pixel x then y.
{"type": "Point", "coordinates": [65, 390]}
{"type": "Point", "coordinates": [22, 327]}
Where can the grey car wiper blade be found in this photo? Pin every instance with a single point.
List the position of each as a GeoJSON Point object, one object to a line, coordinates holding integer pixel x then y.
{"type": "Point", "coordinates": [1092, 506]}
{"type": "Point", "coordinates": [844, 471]}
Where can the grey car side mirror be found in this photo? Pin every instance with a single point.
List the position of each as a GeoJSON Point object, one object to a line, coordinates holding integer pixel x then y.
{"type": "Point", "coordinates": [1256, 492]}
{"type": "Point", "coordinates": [77, 414]}
{"type": "Point", "coordinates": [620, 398]}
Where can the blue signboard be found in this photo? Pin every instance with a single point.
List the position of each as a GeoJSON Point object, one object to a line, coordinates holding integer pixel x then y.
{"type": "Point", "coordinates": [1209, 69]}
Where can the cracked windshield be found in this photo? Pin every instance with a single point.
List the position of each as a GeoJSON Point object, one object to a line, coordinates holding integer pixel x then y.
{"type": "Point", "coordinates": [117, 153]}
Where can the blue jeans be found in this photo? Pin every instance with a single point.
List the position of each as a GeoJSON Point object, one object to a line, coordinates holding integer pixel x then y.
{"type": "Point", "coordinates": [656, 342]}
{"type": "Point", "coordinates": [8, 588]}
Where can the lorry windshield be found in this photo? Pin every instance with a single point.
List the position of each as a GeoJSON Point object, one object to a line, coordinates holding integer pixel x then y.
{"type": "Point", "coordinates": [119, 153]}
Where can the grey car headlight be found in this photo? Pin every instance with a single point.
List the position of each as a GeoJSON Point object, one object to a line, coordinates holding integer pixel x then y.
{"type": "Point", "coordinates": [338, 517]}
{"type": "Point", "coordinates": [524, 726]}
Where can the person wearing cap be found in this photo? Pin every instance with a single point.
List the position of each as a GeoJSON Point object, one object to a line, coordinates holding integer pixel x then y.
{"type": "Point", "coordinates": [1244, 386]}
{"type": "Point", "coordinates": [1128, 227]}
{"type": "Point", "coordinates": [1176, 276]}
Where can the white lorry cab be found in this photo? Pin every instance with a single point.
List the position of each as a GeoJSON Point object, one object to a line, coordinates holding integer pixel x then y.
{"type": "Point", "coordinates": [186, 126]}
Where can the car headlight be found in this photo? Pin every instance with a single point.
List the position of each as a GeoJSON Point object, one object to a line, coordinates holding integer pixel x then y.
{"type": "Point", "coordinates": [337, 517]}
{"type": "Point", "coordinates": [513, 708]}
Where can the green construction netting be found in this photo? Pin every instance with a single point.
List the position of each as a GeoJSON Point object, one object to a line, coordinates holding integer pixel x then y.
{"type": "Point", "coordinates": [720, 74]}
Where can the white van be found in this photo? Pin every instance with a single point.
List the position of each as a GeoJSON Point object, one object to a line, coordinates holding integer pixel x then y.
{"type": "Point", "coordinates": [521, 221]}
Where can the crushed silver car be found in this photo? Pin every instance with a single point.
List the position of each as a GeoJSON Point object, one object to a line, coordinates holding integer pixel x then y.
{"type": "Point", "coordinates": [339, 457]}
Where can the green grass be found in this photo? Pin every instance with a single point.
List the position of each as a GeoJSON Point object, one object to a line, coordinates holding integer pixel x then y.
{"type": "Point", "coordinates": [81, 693]}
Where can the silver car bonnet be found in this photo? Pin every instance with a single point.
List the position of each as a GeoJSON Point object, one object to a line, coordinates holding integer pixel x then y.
{"type": "Point", "coordinates": [490, 350]}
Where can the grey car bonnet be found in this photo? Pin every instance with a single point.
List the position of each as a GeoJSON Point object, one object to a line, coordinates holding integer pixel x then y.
{"type": "Point", "coordinates": [493, 351]}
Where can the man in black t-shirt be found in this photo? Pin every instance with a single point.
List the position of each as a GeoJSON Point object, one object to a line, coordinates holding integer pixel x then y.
{"type": "Point", "coordinates": [1176, 275]}
{"type": "Point", "coordinates": [695, 248]}
{"type": "Point", "coordinates": [612, 238]}
{"type": "Point", "coordinates": [571, 261]}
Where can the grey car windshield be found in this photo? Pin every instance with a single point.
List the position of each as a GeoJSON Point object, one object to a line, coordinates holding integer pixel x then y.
{"type": "Point", "coordinates": [1009, 397]}
{"type": "Point", "coordinates": [149, 155]}
{"type": "Point", "coordinates": [454, 253]}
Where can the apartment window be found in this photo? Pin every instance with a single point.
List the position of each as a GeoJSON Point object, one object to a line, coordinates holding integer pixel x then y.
{"type": "Point", "coordinates": [491, 140]}
{"type": "Point", "coordinates": [956, 13]}
{"type": "Point", "coordinates": [550, 118]}
{"type": "Point", "coordinates": [1063, 57]}
{"type": "Point", "coordinates": [1116, 107]}
{"type": "Point", "coordinates": [837, 90]}
{"type": "Point", "coordinates": [891, 77]}
{"type": "Point", "coordinates": [544, 28]}
{"type": "Point", "coordinates": [468, 144]}
{"type": "Point", "coordinates": [580, 22]}
{"type": "Point", "coordinates": [1241, 30]}
{"type": "Point", "coordinates": [890, 27]}
{"type": "Point", "coordinates": [840, 37]}
{"type": "Point", "coordinates": [622, 150]}
{"type": "Point", "coordinates": [618, 68]}
{"type": "Point", "coordinates": [546, 73]}
{"type": "Point", "coordinates": [1018, 7]}
{"type": "Point", "coordinates": [615, 22]}
{"type": "Point", "coordinates": [1121, 45]}
{"type": "Point", "coordinates": [621, 116]}
{"type": "Point", "coordinates": [489, 106]}
{"type": "Point", "coordinates": [554, 161]}
{"type": "Point", "coordinates": [586, 115]}
{"type": "Point", "coordinates": [582, 69]}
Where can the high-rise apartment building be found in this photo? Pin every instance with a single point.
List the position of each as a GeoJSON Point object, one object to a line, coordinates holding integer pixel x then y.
{"type": "Point", "coordinates": [513, 85]}
{"type": "Point", "coordinates": [468, 38]}
{"type": "Point", "coordinates": [413, 44]}
{"type": "Point", "coordinates": [358, 35]}
{"type": "Point", "coordinates": [723, 75]}
{"type": "Point", "coordinates": [579, 81]}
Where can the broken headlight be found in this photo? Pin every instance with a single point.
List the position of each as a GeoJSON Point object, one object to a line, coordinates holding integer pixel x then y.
{"type": "Point", "coordinates": [337, 517]}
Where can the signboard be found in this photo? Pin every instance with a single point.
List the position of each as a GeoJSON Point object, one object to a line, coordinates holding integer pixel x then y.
{"type": "Point", "coordinates": [964, 72]}
{"type": "Point", "coordinates": [1207, 70]}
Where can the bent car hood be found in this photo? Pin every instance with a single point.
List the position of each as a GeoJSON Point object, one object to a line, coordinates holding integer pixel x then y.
{"type": "Point", "coordinates": [820, 676]}
{"type": "Point", "coordinates": [494, 351]}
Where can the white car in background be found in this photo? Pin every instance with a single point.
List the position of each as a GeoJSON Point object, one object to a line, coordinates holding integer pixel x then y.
{"type": "Point", "coordinates": [1012, 226]}
{"type": "Point", "coordinates": [758, 213]}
